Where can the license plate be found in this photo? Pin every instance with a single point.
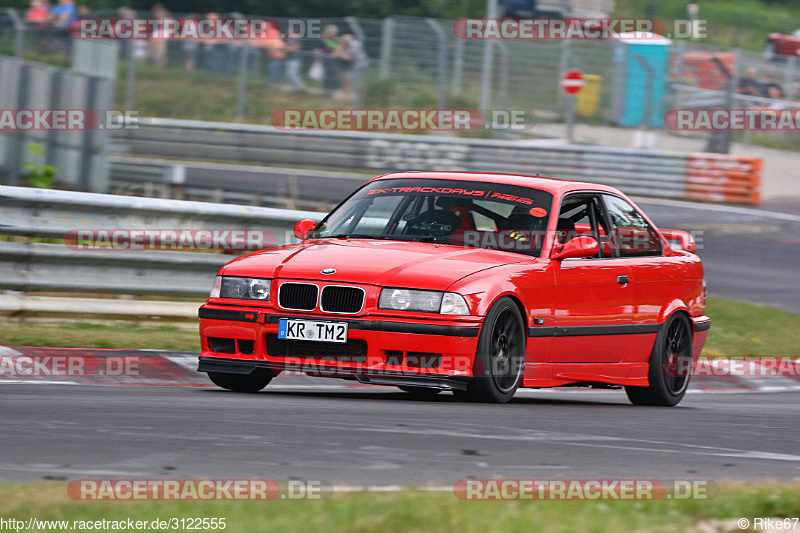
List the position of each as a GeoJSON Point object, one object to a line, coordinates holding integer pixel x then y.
{"type": "Point", "coordinates": [311, 330]}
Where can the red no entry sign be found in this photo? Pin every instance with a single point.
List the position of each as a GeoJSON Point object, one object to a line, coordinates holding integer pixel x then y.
{"type": "Point", "coordinates": [572, 82]}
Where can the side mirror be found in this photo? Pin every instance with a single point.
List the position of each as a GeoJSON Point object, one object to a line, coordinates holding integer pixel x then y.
{"type": "Point", "coordinates": [576, 248]}
{"type": "Point", "coordinates": [303, 228]}
{"type": "Point", "coordinates": [681, 240]}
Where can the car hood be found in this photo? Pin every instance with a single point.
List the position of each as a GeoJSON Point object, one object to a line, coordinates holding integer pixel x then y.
{"type": "Point", "coordinates": [378, 262]}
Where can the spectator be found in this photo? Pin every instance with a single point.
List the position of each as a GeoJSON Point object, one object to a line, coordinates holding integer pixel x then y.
{"type": "Point", "coordinates": [157, 49]}
{"type": "Point", "coordinates": [189, 45]}
{"type": "Point", "coordinates": [211, 57]}
{"type": "Point", "coordinates": [276, 51]}
{"type": "Point", "coordinates": [37, 17]}
{"type": "Point", "coordinates": [353, 63]}
{"type": "Point", "coordinates": [344, 62]}
{"type": "Point", "coordinates": [749, 83]}
{"type": "Point", "coordinates": [37, 14]}
{"type": "Point", "coordinates": [63, 13]}
{"type": "Point", "coordinates": [772, 89]}
{"type": "Point", "coordinates": [136, 48]}
{"type": "Point", "coordinates": [293, 59]}
{"type": "Point", "coordinates": [59, 18]}
{"type": "Point", "coordinates": [330, 43]}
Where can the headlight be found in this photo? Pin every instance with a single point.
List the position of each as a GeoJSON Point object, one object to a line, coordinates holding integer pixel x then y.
{"type": "Point", "coordinates": [448, 303]}
{"type": "Point", "coordinates": [454, 304]}
{"type": "Point", "coordinates": [240, 288]}
{"type": "Point", "coordinates": [215, 288]}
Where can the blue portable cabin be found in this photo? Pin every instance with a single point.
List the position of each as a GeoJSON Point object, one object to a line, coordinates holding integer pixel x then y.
{"type": "Point", "coordinates": [629, 83]}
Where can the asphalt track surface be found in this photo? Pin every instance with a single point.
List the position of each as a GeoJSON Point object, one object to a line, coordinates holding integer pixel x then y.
{"type": "Point", "coordinates": [381, 437]}
{"type": "Point", "coordinates": [748, 254]}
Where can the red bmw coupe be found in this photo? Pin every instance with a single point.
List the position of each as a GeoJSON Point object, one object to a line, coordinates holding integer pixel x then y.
{"type": "Point", "coordinates": [474, 283]}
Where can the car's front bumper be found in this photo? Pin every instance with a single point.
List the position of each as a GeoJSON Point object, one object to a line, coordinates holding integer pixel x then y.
{"type": "Point", "coordinates": [382, 350]}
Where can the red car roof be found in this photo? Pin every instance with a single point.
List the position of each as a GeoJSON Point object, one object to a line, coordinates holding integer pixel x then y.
{"type": "Point", "coordinates": [551, 185]}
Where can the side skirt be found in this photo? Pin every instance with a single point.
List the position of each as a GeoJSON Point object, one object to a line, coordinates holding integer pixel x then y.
{"type": "Point", "coordinates": [542, 375]}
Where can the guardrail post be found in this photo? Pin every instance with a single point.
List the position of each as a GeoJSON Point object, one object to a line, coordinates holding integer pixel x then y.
{"type": "Point", "coordinates": [177, 179]}
{"type": "Point", "coordinates": [442, 66]}
{"type": "Point", "coordinates": [387, 34]}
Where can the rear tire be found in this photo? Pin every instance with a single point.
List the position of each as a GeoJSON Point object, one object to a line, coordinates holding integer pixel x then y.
{"type": "Point", "coordinates": [669, 365]}
{"type": "Point", "coordinates": [500, 359]}
{"type": "Point", "coordinates": [253, 382]}
{"type": "Point", "coordinates": [420, 392]}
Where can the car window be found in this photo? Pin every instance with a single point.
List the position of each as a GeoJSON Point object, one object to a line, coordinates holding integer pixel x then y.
{"type": "Point", "coordinates": [462, 213]}
{"type": "Point", "coordinates": [633, 236]}
{"type": "Point", "coordinates": [581, 215]}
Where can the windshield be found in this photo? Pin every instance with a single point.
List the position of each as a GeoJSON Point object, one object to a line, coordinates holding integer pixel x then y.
{"type": "Point", "coordinates": [460, 213]}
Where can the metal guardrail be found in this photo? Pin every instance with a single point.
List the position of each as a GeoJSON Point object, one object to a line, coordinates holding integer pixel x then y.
{"type": "Point", "coordinates": [33, 266]}
{"type": "Point", "coordinates": [288, 188]}
{"type": "Point", "coordinates": [643, 172]}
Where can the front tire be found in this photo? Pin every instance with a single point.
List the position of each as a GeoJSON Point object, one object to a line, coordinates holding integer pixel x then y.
{"type": "Point", "coordinates": [669, 366]}
{"type": "Point", "coordinates": [253, 382]}
{"type": "Point", "coordinates": [500, 360]}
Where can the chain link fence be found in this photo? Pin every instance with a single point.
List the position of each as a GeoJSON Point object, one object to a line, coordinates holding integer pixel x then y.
{"type": "Point", "coordinates": [406, 62]}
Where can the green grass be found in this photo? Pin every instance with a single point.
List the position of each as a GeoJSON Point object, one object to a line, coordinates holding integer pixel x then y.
{"type": "Point", "coordinates": [174, 93]}
{"type": "Point", "coordinates": [737, 329]}
{"type": "Point", "coordinates": [734, 23]}
{"type": "Point", "coordinates": [414, 511]}
{"type": "Point", "coordinates": [86, 335]}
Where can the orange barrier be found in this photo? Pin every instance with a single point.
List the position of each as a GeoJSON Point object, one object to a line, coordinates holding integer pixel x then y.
{"type": "Point", "coordinates": [699, 69]}
{"type": "Point", "coordinates": [723, 178]}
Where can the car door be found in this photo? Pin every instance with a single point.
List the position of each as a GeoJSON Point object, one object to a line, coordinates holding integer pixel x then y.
{"type": "Point", "coordinates": [656, 280]}
{"type": "Point", "coordinates": [593, 298]}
